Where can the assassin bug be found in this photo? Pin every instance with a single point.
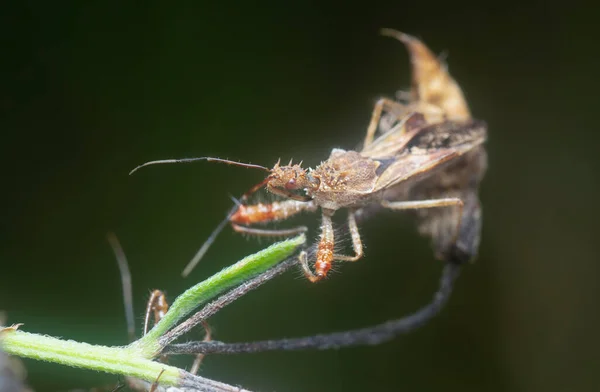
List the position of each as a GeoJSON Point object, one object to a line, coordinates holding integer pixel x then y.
{"type": "Point", "coordinates": [428, 157]}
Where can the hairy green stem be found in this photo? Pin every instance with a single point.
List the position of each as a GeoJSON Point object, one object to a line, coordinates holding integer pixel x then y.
{"type": "Point", "coordinates": [222, 281]}
{"type": "Point", "coordinates": [117, 360]}
{"type": "Point", "coordinates": [135, 359]}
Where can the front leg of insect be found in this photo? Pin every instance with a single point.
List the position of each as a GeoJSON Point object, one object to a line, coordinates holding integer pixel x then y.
{"type": "Point", "coordinates": [285, 181]}
{"type": "Point", "coordinates": [325, 255]}
{"type": "Point", "coordinates": [246, 215]}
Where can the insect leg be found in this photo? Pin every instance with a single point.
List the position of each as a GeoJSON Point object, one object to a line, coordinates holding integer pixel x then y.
{"type": "Point", "coordinates": [268, 232]}
{"type": "Point", "coordinates": [324, 255]}
{"type": "Point", "coordinates": [433, 203]}
{"type": "Point", "coordinates": [279, 210]}
{"type": "Point", "coordinates": [157, 305]}
{"type": "Point", "coordinates": [356, 242]}
{"type": "Point", "coordinates": [303, 259]}
{"type": "Point", "coordinates": [248, 214]}
{"type": "Point", "coordinates": [200, 357]}
{"type": "Point", "coordinates": [258, 213]}
{"type": "Point", "coordinates": [155, 383]}
{"type": "Point", "coordinates": [383, 103]}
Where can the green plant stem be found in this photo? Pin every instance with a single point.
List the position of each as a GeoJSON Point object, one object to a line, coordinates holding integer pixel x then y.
{"type": "Point", "coordinates": [134, 360]}
{"type": "Point", "coordinates": [228, 278]}
{"type": "Point", "coordinates": [117, 360]}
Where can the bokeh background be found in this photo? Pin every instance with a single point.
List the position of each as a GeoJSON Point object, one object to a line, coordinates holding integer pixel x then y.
{"type": "Point", "coordinates": [89, 90]}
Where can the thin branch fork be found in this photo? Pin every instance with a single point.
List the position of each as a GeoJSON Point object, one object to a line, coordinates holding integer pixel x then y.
{"type": "Point", "coordinates": [213, 307]}
{"type": "Point", "coordinates": [365, 336]}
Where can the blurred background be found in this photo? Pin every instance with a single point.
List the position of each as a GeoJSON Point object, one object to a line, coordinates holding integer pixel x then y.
{"type": "Point", "coordinates": [89, 90]}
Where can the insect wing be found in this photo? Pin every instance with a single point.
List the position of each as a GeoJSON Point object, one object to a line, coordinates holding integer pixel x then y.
{"type": "Point", "coordinates": [425, 149]}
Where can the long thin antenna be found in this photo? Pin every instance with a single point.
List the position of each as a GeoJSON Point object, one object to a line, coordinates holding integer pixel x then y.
{"type": "Point", "coordinates": [209, 159]}
{"type": "Point", "coordinates": [125, 282]}
{"type": "Point", "coordinates": [198, 256]}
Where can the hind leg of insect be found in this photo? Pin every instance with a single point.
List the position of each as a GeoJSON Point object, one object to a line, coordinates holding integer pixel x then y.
{"type": "Point", "coordinates": [432, 203]}
{"type": "Point", "coordinates": [325, 255]}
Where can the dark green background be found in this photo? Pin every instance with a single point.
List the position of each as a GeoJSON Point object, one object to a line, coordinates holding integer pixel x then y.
{"type": "Point", "coordinates": [89, 90]}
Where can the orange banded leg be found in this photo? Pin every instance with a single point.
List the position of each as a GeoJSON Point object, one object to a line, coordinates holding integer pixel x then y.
{"type": "Point", "coordinates": [325, 255]}
{"type": "Point", "coordinates": [433, 203]}
{"type": "Point", "coordinates": [244, 215]}
{"type": "Point", "coordinates": [279, 210]}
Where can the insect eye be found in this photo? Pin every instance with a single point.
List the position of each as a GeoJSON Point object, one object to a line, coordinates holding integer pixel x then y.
{"type": "Point", "coordinates": [291, 184]}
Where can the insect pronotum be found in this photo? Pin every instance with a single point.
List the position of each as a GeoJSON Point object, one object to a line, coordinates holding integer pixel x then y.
{"type": "Point", "coordinates": [423, 153]}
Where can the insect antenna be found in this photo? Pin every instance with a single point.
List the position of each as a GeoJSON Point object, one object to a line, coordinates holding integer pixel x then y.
{"type": "Point", "coordinates": [209, 159]}
{"type": "Point", "coordinates": [198, 256]}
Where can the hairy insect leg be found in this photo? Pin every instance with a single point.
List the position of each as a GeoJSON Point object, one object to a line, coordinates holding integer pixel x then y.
{"type": "Point", "coordinates": [200, 357]}
{"type": "Point", "coordinates": [433, 203]}
{"type": "Point", "coordinates": [279, 210]}
{"type": "Point", "coordinates": [356, 241]}
{"type": "Point", "coordinates": [303, 260]}
{"type": "Point", "coordinates": [260, 213]}
{"type": "Point", "coordinates": [324, 256]}
{"type": "Point", "coordinates": [158, 306]}
{"type": "Point", "coordinates": [380, 105]}
{"type": "Point", "coordinates": [243, 214]}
